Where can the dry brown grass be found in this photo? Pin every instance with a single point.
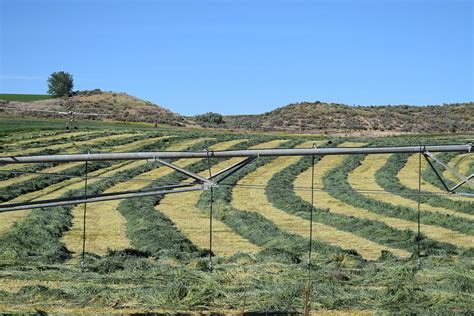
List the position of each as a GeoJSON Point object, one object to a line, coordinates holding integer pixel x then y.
{"type": "Point", "coordinates": [325, 200]}
{"type": "Point", "coordinates": [363, 179]}
{"type": "Point", "coordinates": [256, 200]}
{"type": "Point", "coordinates": [407, 177]}
{"type": "Point", "coordinates": [105, 224]}
{"type": "Point", "coordinates": [182, 210]}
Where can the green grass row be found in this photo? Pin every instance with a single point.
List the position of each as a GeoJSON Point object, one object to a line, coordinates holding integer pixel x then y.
{"type": "Point", "coordinates": [45, 180]}
{"type": "Point", "coordinates": [387, 178]}
{"type": "Point", "coordinates": [280, 192]}
{"type": "Point", "coordinates": [335, 182]}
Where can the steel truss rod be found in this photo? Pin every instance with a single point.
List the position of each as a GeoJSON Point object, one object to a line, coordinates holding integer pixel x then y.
{"type": "Point", "coordinates": [183, 171]}
{"type": "Point", "coordinates": [200, 183]}
{"type": "Point", "coordinates": [101, 197]}
{"type": "Point", "coordinates": [461, 177]}
{"type": "Point", "coordinates": [233, 169]}
{"type": "Point", "coordinates": [234, 153]}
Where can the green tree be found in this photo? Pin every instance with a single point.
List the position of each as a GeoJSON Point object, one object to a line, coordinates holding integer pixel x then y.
{"type": "Point", "coordinates": [210, 118]}
{"type": "Point", "coordinates": [60, 84]}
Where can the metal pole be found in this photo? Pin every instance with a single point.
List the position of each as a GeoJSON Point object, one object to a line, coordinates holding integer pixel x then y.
{"type": "Point", "coordinates": [418, 238]}
{"type": "Point", "coordinates": [308, 290]}
{"type": "Point", "coordinates": [94, 198]}
{"type": "Point", "coordinates": [84, 222]}
{"type": "Point", "coordinates": [234, 153]}
{"type": "Point", "coordinates": [210, 213]}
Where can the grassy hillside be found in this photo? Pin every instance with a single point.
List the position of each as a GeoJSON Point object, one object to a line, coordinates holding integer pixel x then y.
{"type": "Point", "coordinates": [318, 117]}
{"type": "Point", "coordinates": [110, 105]}
{"type": "Point", "coordinates": [24, 97]}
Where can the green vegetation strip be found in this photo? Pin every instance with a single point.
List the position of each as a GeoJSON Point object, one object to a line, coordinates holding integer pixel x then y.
{"type": "Point", "coordinates": [42, 181]}
{"type": "Point", "coordinates": [387, 178]}
{"type": "Point", "coordinates": [277, 245]}
{"type": "Point", "coordinates": [336, 180]}
{"type": "Point", "coordinates": [280, 192]}
{"type": "Point", "coordinates": [57, 139]}
{"type": "Point", "coordinates": [429, 175]}
{"type": "Point", "coordinates": [37, 237]}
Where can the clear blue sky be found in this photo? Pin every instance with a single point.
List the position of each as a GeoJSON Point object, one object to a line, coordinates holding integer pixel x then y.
{"type": "Point", "coordinates": [244, 56]}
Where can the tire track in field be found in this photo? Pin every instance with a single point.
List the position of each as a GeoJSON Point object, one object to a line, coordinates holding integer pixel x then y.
{"type": "Point", "coordinates": [257, 201]}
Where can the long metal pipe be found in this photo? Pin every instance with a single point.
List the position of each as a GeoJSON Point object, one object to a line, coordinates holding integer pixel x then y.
{"type": "Point", "coordinates": [92, 199]}
{"type": "Point", "coordinates": [467, 148]}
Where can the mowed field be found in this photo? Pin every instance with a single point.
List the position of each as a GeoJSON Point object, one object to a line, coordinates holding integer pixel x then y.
{"type": "Point", "coordinates": [151, 254]}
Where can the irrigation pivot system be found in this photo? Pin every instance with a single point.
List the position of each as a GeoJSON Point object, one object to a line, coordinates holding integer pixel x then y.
{"type": "Point", "coordinates": [203, 183]}
{"type": "Point", "coordinates": [211, 182]}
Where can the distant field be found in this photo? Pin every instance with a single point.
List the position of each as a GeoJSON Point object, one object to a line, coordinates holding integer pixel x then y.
{"type": "Point", "coordinates": [24, 97]}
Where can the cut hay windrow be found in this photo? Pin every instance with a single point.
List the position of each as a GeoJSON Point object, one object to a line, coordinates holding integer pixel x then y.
{"type": "Point", "coordinates": [22, 184]}
{"type": "Point", "coordinates": [71, 147]}
{"type": "Point", "coordinates": [460, 163]}
{"type": "Point", "coordinates": [58, 189]}
{"type": "Point", "coordinates": [388, 178]}
{"type": "Point", "coordinates": [105, 224]}
{"type": "Point", "coordinates": [27, 136]}
{"type": "Point", "coordinates": [47, 141]}
{"type": "Point", "coordinates": [256, 200]}
{"type": "Point", "coordinates": [326, 200]}
{"type": "Point", "coordinates": [362, 179]}
{"type": "Point", "coordinates": [181, 209]}
{"type": "Point", "coordinates": [407, 178]}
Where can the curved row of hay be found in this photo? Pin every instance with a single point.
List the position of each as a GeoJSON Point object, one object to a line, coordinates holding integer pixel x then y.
{"type": "Point", "coordinates": [182, 210]}
{"type": "Point", "coordinates": [323, 199]}
{"type": "Point", "coordinates": [56, 190]}
{"type": "Point", "coordinates": [69, 146]}
{"type": "Point", "coordinates": [106, 228]}
{"type": "Point", "coordinates": [97, 143]}
{"type": "Point", "coordinates": [363, 180]}
{"type": "Point", "coordinates": [105, 224]}
{"type": "Point", "coordinates": [255, 200]}
{"type": "Point", "coordinates": [408, 177]}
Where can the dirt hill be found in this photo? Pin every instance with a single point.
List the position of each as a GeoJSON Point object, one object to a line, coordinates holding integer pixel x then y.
{"type": "Point", "coordinates": [115, 106]}
{"type": "Point", "coordinates": [329, 117]}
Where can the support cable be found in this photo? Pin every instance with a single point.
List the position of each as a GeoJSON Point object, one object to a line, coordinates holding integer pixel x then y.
{"type": "Point", "coordinates": [210, 267]}
{"type": "Point", "coordinates": [84, 219]}
{"type": "Point", "coordinates": [307, 298]}
{"type": "Point", "coordinates": [418, 238]}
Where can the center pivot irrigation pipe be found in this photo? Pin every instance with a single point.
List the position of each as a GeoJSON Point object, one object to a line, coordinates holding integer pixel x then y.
{"type": "Point", "coordinates": [200, 183]}
{"type": "Point", "coordinates": [467, 148]}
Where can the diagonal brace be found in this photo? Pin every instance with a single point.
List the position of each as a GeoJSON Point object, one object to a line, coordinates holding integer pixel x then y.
{"type": "Point", "coordinates": [233, 169]}
{"type": "Point", "coordinates": [190, 174]}
{"type": "Point", "coordinates": [452, 170]}
{"type": "Point", "coordinates": [428, 155]}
